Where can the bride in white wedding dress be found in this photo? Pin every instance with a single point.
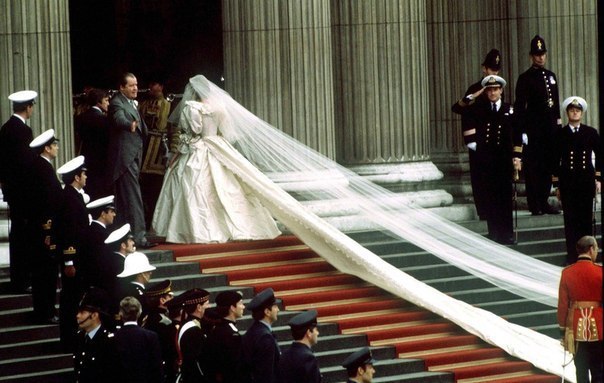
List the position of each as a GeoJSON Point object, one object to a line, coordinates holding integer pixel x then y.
{"type": "Point", "coordinates": [201, 201]}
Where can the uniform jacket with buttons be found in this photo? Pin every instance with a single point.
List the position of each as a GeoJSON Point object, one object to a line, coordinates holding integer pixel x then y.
{"type": "Point", "coordinates": [96, 360]}
{"type": "Point", "coordinates": [537, 103]}
{"type": "Point", "coordinates": [495, 131]}
{"type": "Point", "coordinates": [573, 156]}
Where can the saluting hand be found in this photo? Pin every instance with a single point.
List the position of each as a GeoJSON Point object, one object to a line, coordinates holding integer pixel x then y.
{"type": "Point", "coordinates": [478, 92]}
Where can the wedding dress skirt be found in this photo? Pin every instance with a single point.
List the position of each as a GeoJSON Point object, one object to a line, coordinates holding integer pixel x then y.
{"type": "Point", "coordinates": [202, 202]}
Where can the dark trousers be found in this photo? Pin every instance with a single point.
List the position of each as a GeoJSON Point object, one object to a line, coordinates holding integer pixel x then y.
{"type": "Point", "coordinates": [589, 359]}
{"type": "Point", "coordinates": [496, 168]}
{"type": "Point", "coordinates": [537, 174]}
{"type": "Point", "coordinates": [129, 202]}
{"type": "Point", "coordinates": [577, 203]}
{"type": "Point", "coordinates": [480, 198]}
{"type": "Point", "coordinates": [71, 294]}
{"type": "Point", "coordinates": [19, 247]}
{"type": "Point", "coordinates": [44, 283]}
{"type": "Point", "coordinates": [150, 188]}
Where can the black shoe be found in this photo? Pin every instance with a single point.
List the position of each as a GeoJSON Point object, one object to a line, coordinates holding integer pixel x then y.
{"type": "Point", "coordinates": [508, 241]}
{"type": "Point", "coordinates": [536, 212]}
{"type": "Point", "coordinates": [551, 210]}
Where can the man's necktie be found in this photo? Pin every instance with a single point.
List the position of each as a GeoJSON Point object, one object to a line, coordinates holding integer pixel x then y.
{"type": "Point", "coordinates": [494, 108]}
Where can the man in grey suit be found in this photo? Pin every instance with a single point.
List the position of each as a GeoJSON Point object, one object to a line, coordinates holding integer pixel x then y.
{"type": "Point", "coordinates": [128, 132]}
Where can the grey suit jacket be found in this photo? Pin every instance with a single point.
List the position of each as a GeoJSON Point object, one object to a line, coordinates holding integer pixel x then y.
{"type": "Point", "coordinates": [124, 146]}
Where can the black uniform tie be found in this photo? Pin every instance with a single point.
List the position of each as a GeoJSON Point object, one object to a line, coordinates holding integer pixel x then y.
{"type": "Point", "coordinates": [494, 108]}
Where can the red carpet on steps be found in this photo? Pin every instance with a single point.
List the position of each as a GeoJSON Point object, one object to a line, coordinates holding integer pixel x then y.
{"type": "Point", "coordinates": [304, 280]}
{"type": "Point", "coordinates": [195, 249]}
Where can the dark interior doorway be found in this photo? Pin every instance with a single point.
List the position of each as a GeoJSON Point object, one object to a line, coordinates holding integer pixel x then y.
{"type": "Point", "coordinates": [166, 40]}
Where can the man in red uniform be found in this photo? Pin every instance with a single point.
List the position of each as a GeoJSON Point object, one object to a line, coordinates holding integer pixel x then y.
{"type": "Point", "coordinates": [580, 309]}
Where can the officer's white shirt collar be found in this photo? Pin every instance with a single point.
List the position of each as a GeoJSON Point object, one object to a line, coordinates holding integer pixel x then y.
{"type": "Point", "coordinates": [132, 322]}
{"type": "Point", "coordinates": [497, 104]}
{"type": "Point", "coordinates": [93, 332]}
{"type": "Point", "coordinates": [97, 108]}
{"type": "Point", "coordinates": [81, 191]}
{"type": "Point", "coordinates": [266, 324]}
{"type": "Point", "coordinates": [574, 127]}
{"type": "Point", "coordinates": [20, 117]}
{"type": "Point", "coordinates": [46, 158]}
{"type": "Point", "coordinates": [100, 223]}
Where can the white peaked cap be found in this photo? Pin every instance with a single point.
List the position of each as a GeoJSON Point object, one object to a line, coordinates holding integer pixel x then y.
{"type": "Point", "coordinates": [43, 139]}
{"type": "Point", "coordinates": [71, 165]}
{"type": "Point", "coordinates": [23, 96]}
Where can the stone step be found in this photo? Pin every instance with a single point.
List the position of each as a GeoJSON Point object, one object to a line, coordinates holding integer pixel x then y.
{"type": "Point", "coordinates": [393, 370]}
{"type": "Point", "coordinates": [17, 366]}
{"type": "Point", "coordinates": [34, 347]}
{"type": "Point", "coordinates": [47, 376]}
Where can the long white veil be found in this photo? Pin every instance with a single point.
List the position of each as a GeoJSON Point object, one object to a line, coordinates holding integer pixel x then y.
{"type": "Point", "coordinates": [284, 168]}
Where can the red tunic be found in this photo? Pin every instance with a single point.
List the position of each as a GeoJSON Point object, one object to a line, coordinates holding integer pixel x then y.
{"type": "Point", "coordinates": [581, 281]}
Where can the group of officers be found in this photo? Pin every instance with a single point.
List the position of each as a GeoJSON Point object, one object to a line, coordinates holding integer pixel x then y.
{"type": "Point", "coordinates": [503, 139]}
{"type": "Point", "coordinates": [183, 338]}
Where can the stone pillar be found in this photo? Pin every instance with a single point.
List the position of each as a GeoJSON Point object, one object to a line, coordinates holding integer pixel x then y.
{"type": "Point", "coordinates": [34, 41]}
{"type": "Point", "coordinates": [381, 69]}
{"type": "Point", "coordinates": [278, 64]}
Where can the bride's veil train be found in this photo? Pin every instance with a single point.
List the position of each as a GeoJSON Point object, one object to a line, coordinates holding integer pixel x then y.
{"type": "Point", "coordinates": [276, 168]}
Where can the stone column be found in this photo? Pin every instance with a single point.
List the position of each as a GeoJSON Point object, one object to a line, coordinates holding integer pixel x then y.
{"type": "Point", "coordinates": [34, 41]}
{"type": "Point", "coordinates": [381, 69]}
{"type": "Point", "coordinates": [278, 64]}
{"type": "Point", "coordinates": [382, 100]}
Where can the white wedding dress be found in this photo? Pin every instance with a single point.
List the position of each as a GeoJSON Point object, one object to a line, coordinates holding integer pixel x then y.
{"type": "Point", "coordinates": [201, 201]}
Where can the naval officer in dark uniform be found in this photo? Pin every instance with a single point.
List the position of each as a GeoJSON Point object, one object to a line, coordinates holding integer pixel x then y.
{"type": "Point", "coordinates": [537, 107]}
{"type": "Point", "coordinates": [225, 339]}
{"type": "Point", "coordinates": [298, 363]}
{"type": "Point", "coordinates": [119, 244]}
{"type": "Point", "coordinates": [15, 162]}
{"type": "Point", "coordinates": [73, 221]}
{"type": "Point", "coordinates": [93, 257]}
{"type": "Point", "coordinates": [260, 352]}
{"type": "Point", "coordinates": [95, 357]}
{"type": "Point", "coordinates": [359, 366]}
{"type": "Point", "coordinates": [574, 173]}
{"type": "Point", "coordinates": [472, 100]}
{"type": "Point", "coordinates": [45, 194]}
{"type": "Point", "coordinates": [499, 150]}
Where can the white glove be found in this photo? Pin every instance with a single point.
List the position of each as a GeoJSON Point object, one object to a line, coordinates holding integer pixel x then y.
{"type": "Point", "coordinates": [524, 139]}
{"type": "Point", "coordinates": [472, 146]}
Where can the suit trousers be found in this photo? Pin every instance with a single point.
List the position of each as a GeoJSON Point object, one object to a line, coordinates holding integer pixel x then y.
{"type": "Point", "coordinates": [129, 202]}
{"type": "Point", "coordinates": [19, 248]}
